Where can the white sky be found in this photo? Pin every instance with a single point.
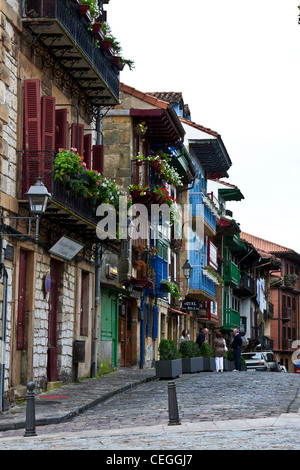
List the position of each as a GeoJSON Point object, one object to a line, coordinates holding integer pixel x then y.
{"type": "Point", "coordinates": [237, 64]}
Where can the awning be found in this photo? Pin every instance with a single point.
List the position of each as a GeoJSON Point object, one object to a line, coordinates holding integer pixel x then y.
{"type": "Point", "coordinates": [172, 310]}
{"type": "Point", "coordinates": [212, 155]}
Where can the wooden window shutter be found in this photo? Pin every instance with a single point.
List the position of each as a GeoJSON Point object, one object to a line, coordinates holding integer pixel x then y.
{"type": "Point", "coordinates": [48, 123]}
{"type": "Point", "coordinates": [98, 158]}
{"type": "Point", "coordinates": [88, 150]}
{"type": "Point", "coordinates": [77, 137]}
{"type": "Point", "coordinates": [32, 114]}
{"type": "Point", "coordinates": [48, 139]}
{"type": "Point", "coordinates": [31, 164]}
{"type": "Point", "coordinates": [61, 128]}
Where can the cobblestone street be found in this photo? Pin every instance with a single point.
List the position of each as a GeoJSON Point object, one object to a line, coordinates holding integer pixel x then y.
{"type": "Point", "coordinates": [245, 404]}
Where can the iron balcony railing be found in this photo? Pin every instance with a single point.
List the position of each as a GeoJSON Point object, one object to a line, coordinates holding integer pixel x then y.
{"type": "Point", "coordinates": [40, 164]}
{"type": "Point", "coordinates": [67, 14]}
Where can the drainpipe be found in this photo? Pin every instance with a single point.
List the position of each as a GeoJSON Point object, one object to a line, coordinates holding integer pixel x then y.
{"type": "Point", "coordinates": [4, 324]}
{"type": "Point", "coordinates": [97, 275]}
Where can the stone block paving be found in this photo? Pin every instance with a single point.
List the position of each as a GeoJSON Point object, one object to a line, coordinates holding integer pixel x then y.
{"type": "Point", "coordinates": [233, 410]}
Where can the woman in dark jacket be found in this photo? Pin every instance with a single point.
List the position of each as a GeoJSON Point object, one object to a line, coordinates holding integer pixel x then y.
{"type": "Point", "coordinates": [219, 351]}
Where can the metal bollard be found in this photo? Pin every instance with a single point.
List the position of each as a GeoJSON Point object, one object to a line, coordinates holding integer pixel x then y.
{"type": "Point", "coordinates": [30, 411]}
{"type": "Point", "coordinates": [173, 406]}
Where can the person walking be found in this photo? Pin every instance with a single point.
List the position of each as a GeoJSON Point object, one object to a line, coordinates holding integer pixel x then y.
{"type": "Point", "coordinates": [185, 336]}
{"type": "Point", "coordinates": [219, 346]}
{"type": "Point", "coordinates": [237, 349]}
{"type": "Point", "coordinates": [201, 337]}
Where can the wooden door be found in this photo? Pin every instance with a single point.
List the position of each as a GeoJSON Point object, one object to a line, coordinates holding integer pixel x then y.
{"type": "Point", "coordinates": [52, 324]}
{"type": "Point", "coordinates": [21, 301]}
{"type": "Point", "coordinates": [128, 348]}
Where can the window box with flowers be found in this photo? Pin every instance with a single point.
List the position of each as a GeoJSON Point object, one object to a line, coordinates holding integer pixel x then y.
{"type": "Point", "coordinates": [70, 170]}
{"type": "Point", "coordinates": [173, 289]}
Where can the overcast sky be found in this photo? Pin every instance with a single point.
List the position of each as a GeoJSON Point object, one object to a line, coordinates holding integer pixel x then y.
{"type": "Point", "coordinates": [237, 64]}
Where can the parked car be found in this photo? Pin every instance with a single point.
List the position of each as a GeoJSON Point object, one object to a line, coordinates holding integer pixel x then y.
{"type": "Point", "coordinates": [256, 361]}
{"type": "Point", "coordinates": [271, 360]}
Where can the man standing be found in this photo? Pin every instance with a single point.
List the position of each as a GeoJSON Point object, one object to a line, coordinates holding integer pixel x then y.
{"type": "Point", "coordinates": [201, 337]}
{"type": "Point", "coordinates": [237, 349]}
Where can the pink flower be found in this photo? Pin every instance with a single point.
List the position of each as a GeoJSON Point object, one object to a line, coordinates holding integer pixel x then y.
{"type": "Point", "coordinates": [74, 149]}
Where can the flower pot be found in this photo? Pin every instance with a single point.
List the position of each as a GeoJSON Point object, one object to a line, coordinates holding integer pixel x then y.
{"type": "Point", "coordinates": [191, 365]}
{"type": "Point", "coordinates": [108, 47]}
{"type": "Point", "coordinates": [97, 29]}
{"type": "Point", "coordinates": [139, 162]}
{"type": "Point", "coordinates": [84, 10]}
{"type": "Point", "coordinates": [117, 62]}
{"type": "Point", "coordinates": [168, 369]}
{"type": "Point", "coordinates": [156, 165]}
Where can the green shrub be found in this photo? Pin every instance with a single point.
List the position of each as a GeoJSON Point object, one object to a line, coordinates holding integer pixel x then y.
{"type": "Point", "coordinates": [230, 356]}
{"type": "Point", "coordinates": [206, 350]}
{"type": "Point", "coordinates": [189, 349]}
{"type": "Point", "coordinates": [168, 350]}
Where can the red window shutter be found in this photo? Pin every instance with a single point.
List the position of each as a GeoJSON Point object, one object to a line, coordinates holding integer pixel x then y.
{"type": "Point", "coordinates": [48, 139]}
{"type": "Point", "coordinates": [48, 123]}
{"type": "Point", "coordinates": [88, 150]}
{"type": "Point", "coordinates": [22, 301]}
{"type": "Point", "coordinates": [98, 158]}
{"type": "Point", "coordinates": [61, 128]}
{"type": "Point", "coordinates": [32, 114]}
{"type": "Point", "coordinates": [77, 137]}
{"type": "Point", "coordinates": [32, 164]}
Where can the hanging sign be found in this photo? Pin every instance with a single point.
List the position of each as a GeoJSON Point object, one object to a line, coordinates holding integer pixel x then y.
{"type": "Point", "coordinates": [66, 248]}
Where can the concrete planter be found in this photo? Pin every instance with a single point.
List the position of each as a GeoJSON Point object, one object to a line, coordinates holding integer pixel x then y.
{"type": "Point", "coordinates": [192, 364]}
{"type": "Point", "coordinates": [209, 364]}
{"type": "Point", "coordinates": [230, 365]}
{"type": "Point", "coordinates": [168, 369]}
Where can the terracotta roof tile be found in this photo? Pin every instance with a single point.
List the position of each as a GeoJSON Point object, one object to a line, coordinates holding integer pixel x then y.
{"type": "Point", "coordinates": [144, 96]}
{"type": "Point", "coordinates": [199, 127]}
{"type": "Point", "coordinates": [264, 245]}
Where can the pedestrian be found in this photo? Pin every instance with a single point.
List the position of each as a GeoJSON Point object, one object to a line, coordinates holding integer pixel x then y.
{"type": "Point", "coordinates": [185, 336]}
{"type": "Point", "coordinates": [201, 337]}
{"type": "Point", "coordinates": [219, 351]}
{"type": "Point", "coordinates": [237, 349]}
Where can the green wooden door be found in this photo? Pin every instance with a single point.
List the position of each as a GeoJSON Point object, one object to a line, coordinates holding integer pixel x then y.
{"type": "Point", "coordinates": [109, 324]}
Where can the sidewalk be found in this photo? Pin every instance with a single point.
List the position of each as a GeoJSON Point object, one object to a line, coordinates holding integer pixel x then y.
{"type": "Point", "coordinates": [70, 400]}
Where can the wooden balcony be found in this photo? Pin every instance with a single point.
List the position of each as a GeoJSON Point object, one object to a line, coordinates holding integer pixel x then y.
{"type": "Point", "coordinates": [57, 31]}
{"type": "Point", "coordinates": [247, 284]}
{"type": "Point", "coordinates": [231, 319]}
{"type": "Point", "coordinates": [232, 274]}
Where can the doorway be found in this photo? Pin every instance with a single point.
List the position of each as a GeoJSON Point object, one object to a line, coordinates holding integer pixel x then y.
{"type": "Point", "coordinates": [125, 335]}
{"type": "Point", "coordinates": [52, 375]}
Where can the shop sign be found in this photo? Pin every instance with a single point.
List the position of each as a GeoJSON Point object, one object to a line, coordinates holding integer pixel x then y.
{"type": "Point", "coordinates": [66, 248]}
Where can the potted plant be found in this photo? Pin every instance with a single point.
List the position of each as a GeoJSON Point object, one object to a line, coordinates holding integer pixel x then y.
{"type": "Point", "coordinates": [208, 357]}
{"type": "Point", "coordinates": [170, 364]}
{"type": "Point", "coordinates": [229, 360]}
{"type": "Point", "coordinates": [191, 359]}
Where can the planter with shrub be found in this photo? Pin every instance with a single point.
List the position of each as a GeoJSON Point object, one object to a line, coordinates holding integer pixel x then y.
{"type": "Point", "coordinates": [170, 364]}
{"type": "Point", "coordinates": [191, 359]}
{"type": "Point", "coordinates": [208, 357]}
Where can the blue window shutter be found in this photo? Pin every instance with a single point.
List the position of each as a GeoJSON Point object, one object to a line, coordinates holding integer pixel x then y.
{"type": "Point", "coordinates": [148, 321]}
{"type": "Point", "coordinates": [155, 322]}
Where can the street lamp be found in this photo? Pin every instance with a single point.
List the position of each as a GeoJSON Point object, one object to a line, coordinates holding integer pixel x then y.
{"type": "Point", "coordinates": [187, 269]}
{"type": "Point", "coordinates": [38, 197]}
